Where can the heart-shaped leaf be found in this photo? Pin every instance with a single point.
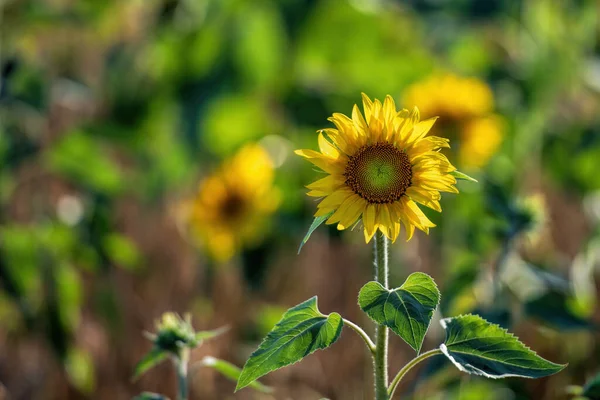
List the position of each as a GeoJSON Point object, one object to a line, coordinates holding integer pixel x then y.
{"type": "Point", "coordinates": [301, 331]}
{"type": "Point", "coordinates": [406, 310]}
{"type": "Point", "coordinates": [478, 347]}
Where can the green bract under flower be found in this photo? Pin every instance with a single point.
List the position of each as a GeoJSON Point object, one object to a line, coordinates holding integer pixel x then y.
{"type": "Point", "coordinates": [174, 338]}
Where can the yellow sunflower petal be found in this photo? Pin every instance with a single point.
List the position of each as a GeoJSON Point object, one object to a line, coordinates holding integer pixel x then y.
{"type": "Point", "coordinates": [324, 162]}
{"type": "Point", "coordinates": [348, 212]}
{"type": "Point", "coordinates": [369, 219]}
{"type": "Point", "coordinates": [336, 198]}
{"type": "Point", "coordinates": [416, 216]}
{"type": "Point", "coordinates": [344, 125]}
{"type": "Point", "coordinates": [396, 231]}
{"type": "Point", "coordinates": [359, 122]}
{"type": "Point", "coordinates": [421, 129]}
{"type": "Point", "coordinates": [329, 184]}
{"type": "Point", "coordinates": [410, 228]}
{"type": "Point", "coordinates": [389, 112]}
{"type": "Point", "coordinates": [327, 148]}
{"type": "Point", "coordinates": [383, 218]}
{"type": "Point", "coordinates": [369, 235]}
{"type": "Point", "coordinates": [367, 106]}
{"type": "Point", "coordinates": [339, 141]}
{"type": "Point", "coordinates": [377, 122]}
{"type": "Point", "coordinates": [403, 125]}
{"type": "Point", "coordinates": [423, 197]}
{"type": "Point", "coordinates": [317, 193]}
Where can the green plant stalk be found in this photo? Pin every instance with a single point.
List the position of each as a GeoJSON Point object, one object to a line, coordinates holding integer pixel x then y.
{"type": "Point", "coordinates": [181, 363]}
{"type": "Point", "coordinates": [408, 367]}
{"type": "Point", "coordinates": [362, 334]}
{"type": "Point", "coordinates": [381, 332]}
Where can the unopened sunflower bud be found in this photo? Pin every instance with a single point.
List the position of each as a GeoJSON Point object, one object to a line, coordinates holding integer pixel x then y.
{"type": "Point", "coordinates": [173, 334]}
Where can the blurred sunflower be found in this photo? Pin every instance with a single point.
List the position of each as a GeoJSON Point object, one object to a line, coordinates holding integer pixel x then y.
{"type": "Point", "coordinates": [379, 167]}
{"type": "Point", "coordinates": [465, 108]}
{"type": "Point", "coordinates": [232, 206]}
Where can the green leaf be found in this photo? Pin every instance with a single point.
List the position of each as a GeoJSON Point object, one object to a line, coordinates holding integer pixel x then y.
{"type": "Point", "coordinates": [153, 358]}
{"type": "Point", "coordinates": [232, 372]}
{"type": "Point", "coordinates": [462, 176]}
{"type": "Point", "coordinates": [406, 310]}
{"type": "Point", "coordinates": [552, 308]}
{"type": "Point", "coordinates": [315, 224]}
{"type": "Point", "coordinates": [301, 331]}
{"type": "Point", "coordinates": [121, 250]}
{"type": "Point", "coordinates": [80, 370]}
{"type": "Point", "coordinates": [205, 335]}
{"type": "Point", "coordinates": [478, 347]}
{"type": "Point", "coordinates": [591, 389]}
{"type": "Point", "coordinates": [86, 161]}
{"type": "Point", "coordinates": [150, 396]}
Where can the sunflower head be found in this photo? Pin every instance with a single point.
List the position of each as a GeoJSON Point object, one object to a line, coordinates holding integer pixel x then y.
{"type": "Point", "coordinates": [379, 166]}
{"type": "Point", "coordinates": [451, 97]}
{"type": "Point", "coordinates": [465, 107]}
{"type": "Point", "coordinates": [480, 138]}
{"type": "Point", "coordinates": [232, 206]}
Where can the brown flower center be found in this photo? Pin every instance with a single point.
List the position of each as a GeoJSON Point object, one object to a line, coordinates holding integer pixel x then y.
{"type": "Point", "coordinates": [233, 206]}
{"type": "Point", "coordinates": [379, 173]}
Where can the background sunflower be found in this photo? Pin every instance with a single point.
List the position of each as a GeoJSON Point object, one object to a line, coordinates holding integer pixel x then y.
{"type": "Point", "coordinates": [233, 204]}
{"type": "Point", "coordinates": [466, 110]}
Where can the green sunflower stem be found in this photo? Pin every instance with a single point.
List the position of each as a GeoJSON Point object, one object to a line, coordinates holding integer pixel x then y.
{"type": "Point", "coordinates": [181, 364]}
{"type": "Point", "coordinates": [381, 332]}
{"type": "Point", "coordinates": [408, 367]}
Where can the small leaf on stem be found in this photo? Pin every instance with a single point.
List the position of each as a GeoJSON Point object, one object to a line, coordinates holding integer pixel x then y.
{"type": "Point", "coordinates": [478, 347]}
{"type": "Point", "coordinates": [205, 335]}
{"type": "Point", "coordinates": [153, 358]}
{"type": "Point", "coordinates": [232, 372]}
{"type": "Point", "coordinates": [591, 389]}
{"type": "Point", "coordinates": [301, 331]}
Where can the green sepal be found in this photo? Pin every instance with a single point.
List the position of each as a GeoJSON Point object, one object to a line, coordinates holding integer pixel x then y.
{"type": "Point", "coordinates": [463, 177]}
{"type": "Point", "coordinates": [315, 224]}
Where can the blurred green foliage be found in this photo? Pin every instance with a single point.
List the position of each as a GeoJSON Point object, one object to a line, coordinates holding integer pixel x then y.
{"type": "Point", "coordinates": [112, 111]}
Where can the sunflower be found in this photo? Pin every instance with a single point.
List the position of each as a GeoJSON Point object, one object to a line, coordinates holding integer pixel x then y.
{"type": "Point", "coordinates": [232, 206]}
{"type": "Point", "coordinates": [379, 167]}
{"type": "Point", "coordinates": [465, 109]}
